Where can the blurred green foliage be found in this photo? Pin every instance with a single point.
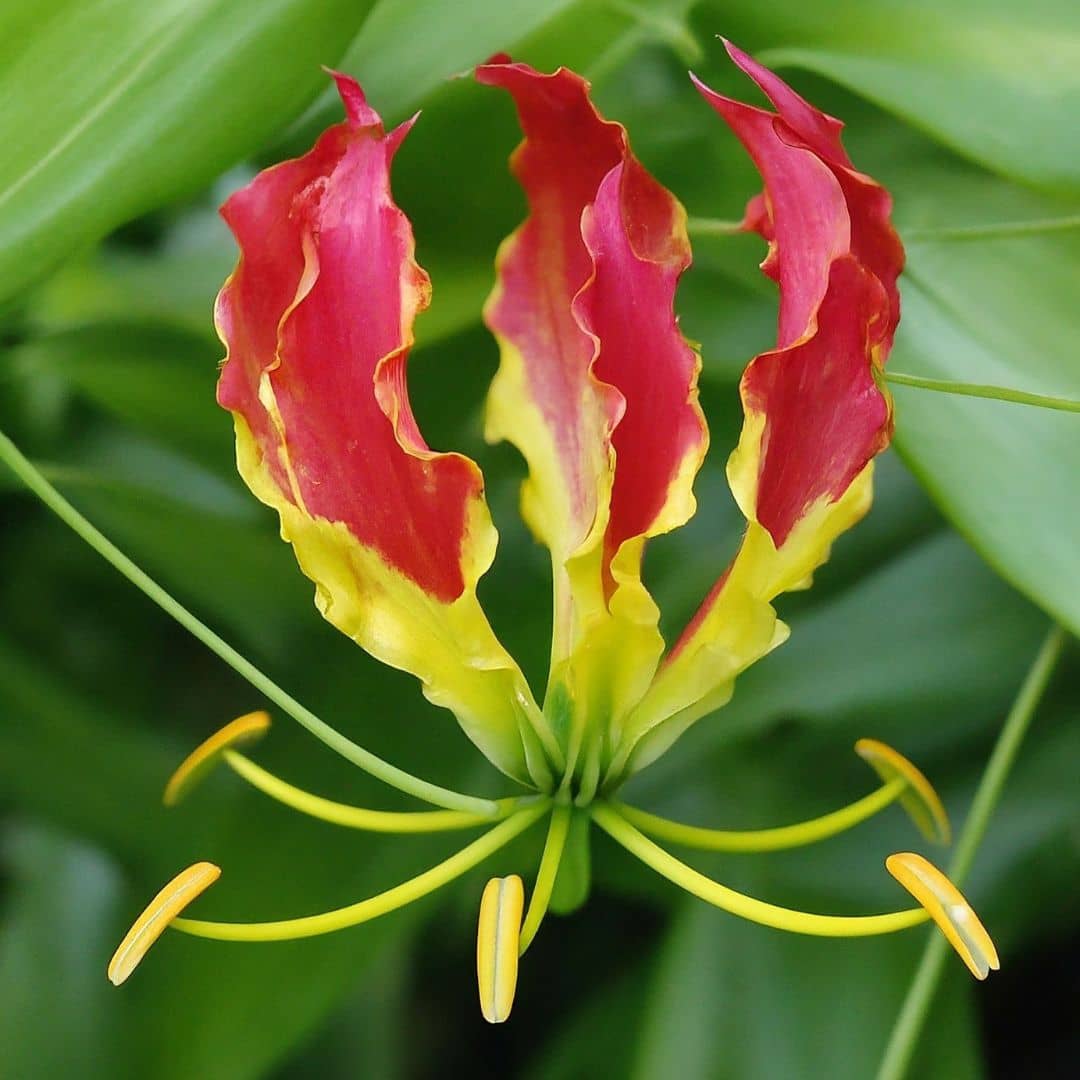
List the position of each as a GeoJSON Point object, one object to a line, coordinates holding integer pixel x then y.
{"type": "Point", "coordinates": [120, 120]}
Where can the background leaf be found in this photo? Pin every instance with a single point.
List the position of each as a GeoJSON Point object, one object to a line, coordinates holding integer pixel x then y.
{"type": "Point", "coordinates": [115, 108]}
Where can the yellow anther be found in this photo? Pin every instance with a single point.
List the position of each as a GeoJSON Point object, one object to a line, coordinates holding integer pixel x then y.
{"type": "Point", "coordinates": [497, 946]}
{"type": "Point", "coordinates": [161, 911]}
{"type": "Point", "coordinates": [201, 760]}
{"type": "Point", "coordinates": [948, 908]}
{"type": "Point", "coordinates": [920, 799]}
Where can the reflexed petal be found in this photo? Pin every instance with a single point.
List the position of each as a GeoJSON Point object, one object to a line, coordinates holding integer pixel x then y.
{"type": "Point", "coordinates": [873, 239]}
{"type": "Point", "coordinates": [318, 322]}
{"type": "Point", "coordinates": [546, 398]}
{"type": "Point", "coordinates": [815, 411]}
{"type": "Point", "coordinates": [596, 387]}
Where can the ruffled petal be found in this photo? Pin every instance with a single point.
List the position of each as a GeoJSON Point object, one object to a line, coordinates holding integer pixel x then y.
{"type": "Point", "coordinates": [317, 319]}
{"type": "Point", "coordinates": [816, 413]}
{"type": "Point", "coordinates": [596, 386]}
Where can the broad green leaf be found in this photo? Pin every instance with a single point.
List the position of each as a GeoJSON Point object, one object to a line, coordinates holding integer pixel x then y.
{"type": "Point", "coordinates": [158, 378]}
{"type": "Point", "coordinates": [999, 311]}
{"type": "Point", "coordinates": [112, 108]}
{"type": "Point", "coordinates": [407, 48]}
{"type": "Point", "coordinates": [60, 911]}
{"type": "Point", "coordinates": [174, 283]}
{"type": "Point", "coordinates": [997, 81]}
{"type": "Point", "coordinates": [731, 1000]}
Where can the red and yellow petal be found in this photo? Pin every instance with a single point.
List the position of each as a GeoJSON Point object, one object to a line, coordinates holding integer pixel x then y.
{"type": "Point", "coordinates": [816, 413]}
{"type": "Point", "coordinates": [317, 319]}
{"type": "Point", "coordinates": [546, 399]}
{"type": "Point", "coordinates": [874, 241]}
{"type": "Point", "coordinates": [596, 386]}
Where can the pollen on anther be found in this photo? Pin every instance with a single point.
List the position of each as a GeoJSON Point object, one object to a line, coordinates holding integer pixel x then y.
{"type": "Point", "coordinates": [919, 798]}
{"type": "Point", "coordinates": [155, 918]}
{"type": "Point", "coordinates": [244, 729]}
{"type": "Point", "coordinates": [497, 939]}
{"type": "Point", "coordinates": [946, 905]}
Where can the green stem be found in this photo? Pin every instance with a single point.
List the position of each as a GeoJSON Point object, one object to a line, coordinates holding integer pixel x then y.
{"type": "Point", "coordinates": [746, 907]}
{"type": "Point", "coordinates": [779, 839]}
{"type": "Point", "coordinates": [389, 774]}
{"type": "Point", "coordinates": [700, 226]}
{"type": "Point", "coordinates": [920, 994]}
{"type": "Point", "coordinates": [993, 229]}
{"type": "Point", "coordinates": [359, 817]}
{"type": "Point", "coordinates": [406, 893]}
{"type": "Point", "coordinates": [981, 390]}
{"type": "Point", "coordinates": [545, 876]}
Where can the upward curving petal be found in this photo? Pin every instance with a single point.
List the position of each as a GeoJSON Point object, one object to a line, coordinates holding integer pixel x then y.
{"type": "Point", "coordinates": [317, 319]}
{"type": "Point", "coordinates": [816, 413]}
{"type": "Point", "coordinates": [596, 387]}
{"type": "Point", "coordinates": [546, 398]}
{"type": "Point", "coordinates": [874, 241]}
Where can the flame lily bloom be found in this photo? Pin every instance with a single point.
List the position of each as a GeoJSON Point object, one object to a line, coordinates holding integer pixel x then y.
{"type": "Point", "coordinates": [598, 391]}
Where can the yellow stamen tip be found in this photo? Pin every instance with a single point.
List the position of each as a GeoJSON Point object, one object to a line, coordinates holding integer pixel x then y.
{"type": "Point", "coordinates": [948, 908]}
{"type": "Point", "coordinates": [919, 799]}
{"type": "Point", "coordinates": [201, 760]}
{"type": "Point", "coordinates": [154, 920]}
{"type": "Point", "coordinates": [497, 946]}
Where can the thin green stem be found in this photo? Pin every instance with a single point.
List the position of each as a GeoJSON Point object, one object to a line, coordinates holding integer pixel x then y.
{"type": "Point", "coordinates": [747, 907]}
{"type": "Point", "coordinates": [358, 817]}
{"type": "Point", "coordinates": [382, 904]}
{"type": "Point", "coordinates": [779, 839]}
{"type": "Point", "coordinates": [992, 230]}
{"type": "Point", "coordinates": [545, 875]}
{"type": "Point", "coordinates": [389, 774]}
{"type": "Point", "coordinates": [981, 390]}
{"type": "Point", "coordinates": [920, 994]}
{"type": "Point", "coordinates": [699, 226]}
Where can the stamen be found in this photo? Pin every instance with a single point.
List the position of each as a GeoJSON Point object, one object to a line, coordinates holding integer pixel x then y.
{"type": "Point", "coordinates": [778, 839]}
{"type": "Point", "coordinates": [357, 817]}
{"type": "Point", "coordinates": [244, 729]}
{"type": "Point", "coordinates": [151, 924]}
{"type": "Point", "coordinates": [545, 875]}
{"type": "Point", "coordinates": [797, 922]}
{"type": "Point", "coordinates": [497, 946]}
{"type": "Point", "coordinates": [920, 799]}
{"type": "Point", "coordinates": [364, 911]}
{"type": "Point", "coordinates": [948, 908]}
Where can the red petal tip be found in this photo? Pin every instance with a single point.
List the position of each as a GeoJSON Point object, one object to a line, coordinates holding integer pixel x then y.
{"type": "Point", "coordinates": [357, 109]}
{"type": "Point", "coordinates": [742, 59]}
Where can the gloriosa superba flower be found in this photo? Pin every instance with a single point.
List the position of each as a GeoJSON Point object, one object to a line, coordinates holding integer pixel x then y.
{"type": "Point", "coordinates": [597, 390]}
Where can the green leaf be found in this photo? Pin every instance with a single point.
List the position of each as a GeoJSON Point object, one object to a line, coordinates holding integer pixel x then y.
{"type": "Point", "coordinates": [408, 47]}
{"type": "Point", "coordinates": [994, 80]}
{"type": "Point", "coordinates": [733, 1000]}
{"type": "Point", "coordinates": [158, 378]}
{"type": "Point", "coordinates": [1005, 474]}
{"type": "Point", "coordinates": [112, 108]}
{"type": "Point", "coordinates": [59, 916]}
